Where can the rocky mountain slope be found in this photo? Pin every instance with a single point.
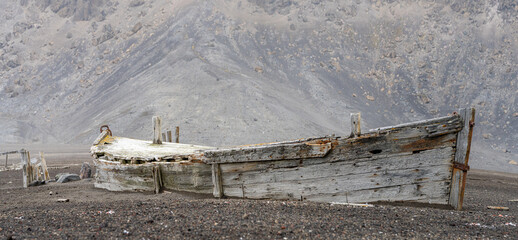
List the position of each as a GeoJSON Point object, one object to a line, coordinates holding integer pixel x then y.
{"type": "Point", "coordinates": [239, 72]}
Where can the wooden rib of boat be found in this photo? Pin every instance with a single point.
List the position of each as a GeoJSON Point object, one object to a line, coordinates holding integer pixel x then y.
{"type": "Point", "coordinates": [423, 162]}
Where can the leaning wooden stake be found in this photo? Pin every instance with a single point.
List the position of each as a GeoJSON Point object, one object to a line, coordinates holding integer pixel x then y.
{"type": "Point", "coordinates": [157, 132]}
{"type": "Point", "coordinates": [44, 167]}
{"type": "Point", "coordinates": [460, 164]}
{"type": "Point", "coordinates": [177, 134]}
{"type": "Point", "coordinates": [355, 124]}
{"type": "Point", "coordinates": [25, 165]}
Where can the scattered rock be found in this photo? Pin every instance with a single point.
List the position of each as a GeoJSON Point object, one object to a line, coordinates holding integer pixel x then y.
{"type": "Point", "coordinates": [487, 135]}
{"type": "Point", "coordinates": [68, 178]}
{"type": "Point", "coordinates": [137, 27]}
{"type": "Point", "coordinates": [59, 175]}
{"type": "Point", "coordinates": [86, 171]}
{"type": "Point", "coordinates": [136, 3]}
{"type": "Point", "coordinates": [259, 69]}
{"type": "Point", "coordinates": [63, 200]}
{"type": "Point", "coordinates": [513, 162]}
{"type": "Point", "coordinates": [370, 98]}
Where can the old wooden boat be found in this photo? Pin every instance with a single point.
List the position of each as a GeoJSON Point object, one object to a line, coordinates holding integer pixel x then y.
{"type": "Point", "coordinates": [422, 162]}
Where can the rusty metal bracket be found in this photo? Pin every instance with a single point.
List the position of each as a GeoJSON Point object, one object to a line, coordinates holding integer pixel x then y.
{"type": "Point", "coordinates": [461, 166]}
{"type": "Point", "coordinates": [107, 129]}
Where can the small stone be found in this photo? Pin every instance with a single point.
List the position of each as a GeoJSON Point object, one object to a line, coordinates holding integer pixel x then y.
{"type": "Point", "coordinates": [86, 171]}
{"type": "Point", "coordinates": [370, 98]}
{"type": "Point", "coordinates": [513, 162]}
{"type": "Point", "coordinates": [68, 178]}
{"type": "Point", "coordinates": [63, 200]}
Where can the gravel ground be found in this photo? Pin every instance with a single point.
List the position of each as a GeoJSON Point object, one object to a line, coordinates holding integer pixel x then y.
{"type": "Point", "coordinates": [99, 214]}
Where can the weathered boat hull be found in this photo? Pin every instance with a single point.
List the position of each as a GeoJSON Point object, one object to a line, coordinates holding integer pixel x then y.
{"type": "Point", "coordinates": [179, 176]}
{"type": "Point", "coordinates": [417, 162]}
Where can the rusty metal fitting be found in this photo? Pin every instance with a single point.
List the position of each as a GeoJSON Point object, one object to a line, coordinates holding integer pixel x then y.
{"type": "Point", "coordinates": [105, 127]}
{"type": "Point", "coordinates": [461, 166]}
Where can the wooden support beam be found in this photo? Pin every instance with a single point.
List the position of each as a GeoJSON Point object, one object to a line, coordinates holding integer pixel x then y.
{"type": "Point", "coordinates": [463, 148]}
{"type": "Point", "coordinates": [169, 136]}
{"type": "Point", "coordinates": [25, 161]}
{"type": "Point", "coordinates": [355, 124]}
{"type": "Point", "coordinates": [177, 134]}
{"type": "Point", "coordinates": [157, 179]}
{"type": "Point", "coordinates": [217, 180]}
{"type": "Point", "coordinates": [157, 136]}
{"type": "Point", "coordinates": [164, 139]}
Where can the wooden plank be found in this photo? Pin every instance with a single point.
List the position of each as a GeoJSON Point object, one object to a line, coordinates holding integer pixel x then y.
{"type": "Point", "coordinates": [157, 131]}
{"type": "Point", "coordinates": [267, 153]}
{"type": "Point", "coordinates": [217, 180]}
{"type": "Point", "coordinates": [355, 124]}
{"type": "Point", "coordinates": [44, 167]}
{"type": "Point", "coordinates": [177, 134]}
{"type": "Point", "coordinates": [304, 171]}
{"type": "Point", "coordinates": [25, 161]}
{"type": "Point", "coordinates": [6, 153]}
{"type": "Point", "coordinates": [341, 184]}
{"type": "Point", "coordinates": [435, 192]}
{"type": "Point", "coordinates": [463, 147]}
{"type": "Point", "coordinates": [193, 177]}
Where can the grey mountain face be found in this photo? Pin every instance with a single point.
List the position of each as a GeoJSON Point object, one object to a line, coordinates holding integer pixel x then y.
{"type": "Point", "coordinates": [239, 72]}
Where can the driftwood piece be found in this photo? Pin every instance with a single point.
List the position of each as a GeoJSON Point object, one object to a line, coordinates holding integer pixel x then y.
{"type": "Point", "coordinates": [157, 131]}
{"type": "Point", "coordinates": [461, 158]}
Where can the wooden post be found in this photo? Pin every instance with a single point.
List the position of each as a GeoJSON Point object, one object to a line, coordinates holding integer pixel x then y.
{"type": "Point", "coordinates": [6, 158]}
{"type": "Point", "coordinates": [169, 136]}
{"type": "Point", "coordinates": [177, 134]}
{"type": "Point", "coordinates": [25, 160]}
{"type": "Point", "coordinates": [46, 176]}
{"type": "Point", "coordinates": [157, 136]}
{"type": "Point", "coordinates": [355, 124]}
{"type": "Point", "coordinates": [217, 181]}
{"type": "Point", "coordinates": [460, 164]}
{"type": "Point", "coordinates": [164, 139]}
{"type": "Point", "coordinates": [157, 179]}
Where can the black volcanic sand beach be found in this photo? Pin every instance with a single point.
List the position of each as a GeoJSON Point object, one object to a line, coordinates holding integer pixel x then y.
{"type": "Point", "coordinates": [98, 214]}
